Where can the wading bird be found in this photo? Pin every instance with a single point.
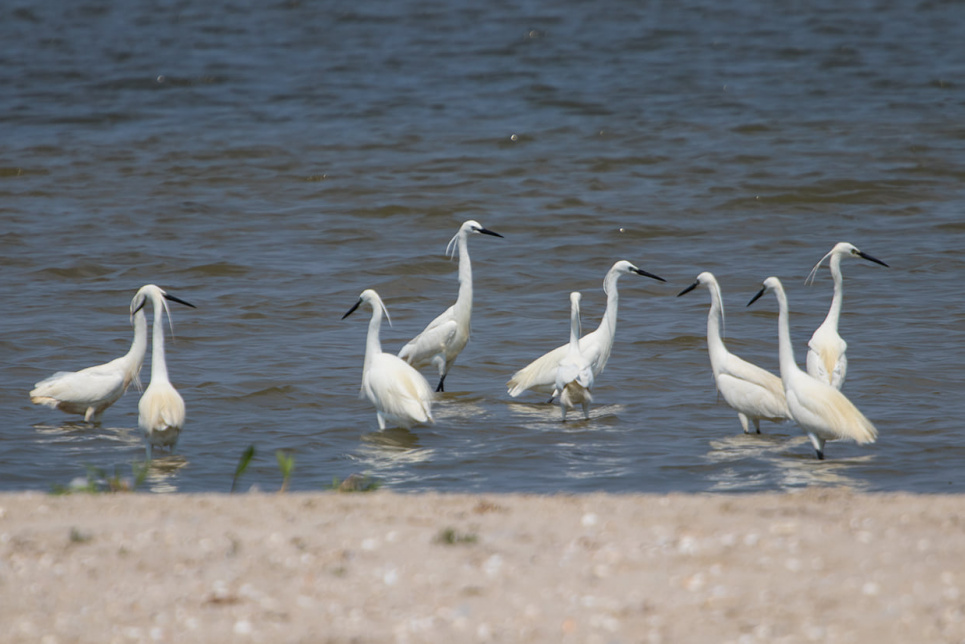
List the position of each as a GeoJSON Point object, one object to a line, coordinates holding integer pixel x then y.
{"type": "Point", "coordinates": [754, 393]}
{"type": "Point", "coordinates": [823, 412]}
{"type": "Point", "coordinates": [445, 337]}
{"type": "Point", "coordinates": [161, 408]}
{"type": "Point", "coordinates": [400, 394]}
{"type": "Point", "coordinates": [826, 359]}
{"type": "Point", "coordinates": [540, 375]}
{"type": "Point", "coordinates": [574, 377]}
{"type": "Point", "coordinates": [92, 390]}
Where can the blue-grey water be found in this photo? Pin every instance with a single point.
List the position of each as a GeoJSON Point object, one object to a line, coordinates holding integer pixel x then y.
{"type": "Point", "coordinates": [269, 161]}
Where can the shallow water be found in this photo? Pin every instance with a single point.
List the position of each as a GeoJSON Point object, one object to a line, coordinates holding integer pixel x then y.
{"type": "Point", "coordinates": [268, 163]}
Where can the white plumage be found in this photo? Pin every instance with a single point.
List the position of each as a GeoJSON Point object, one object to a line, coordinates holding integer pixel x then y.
{"type": "Point", "coordinates": [161, 410]}
{"type": "Point", "coordinates": [446, 336]}
{"type": "Point", "coordinates": [823, 412]}
{"type": "Point", "coordinates": [540, 375]}
{"type": "Point", "coordinates": [826, 358]}
{"type": "Point", "coordinates": [754, 393]}
{"type": "Point", "coordinates": [400, 394]}
{"type": "Point", "coordinates": [574, 376]}
{"type": "Point", "coordinates": [92, 390]}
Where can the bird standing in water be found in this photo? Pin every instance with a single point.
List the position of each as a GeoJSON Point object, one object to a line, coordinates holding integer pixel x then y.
{"type": "Point", "coordinates": [92, 390]}
{"type": "Point", "coordinates": [754, 393]}
{"type": "Point", "coordinates": [540, 374]}
{"type": "Point", "coordinates": [400, 394]}
{"type": "Point", "coordinates": [161, 410]}
{"type": "Point", "coordinates": [446, 336]}
{"type": "Point", "coordinates": [574, 376]}
{"type": "Point", "coordinates": [823, 412]}
{"type": "Point", "coordinates": [826, 359]}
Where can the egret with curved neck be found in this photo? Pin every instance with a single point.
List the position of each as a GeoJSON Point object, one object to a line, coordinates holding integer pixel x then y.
{"type": "Point", "coordinates": [540, 375]}
{"type": "Point", "coordinates": [161, 410]}
{"type": "Point", "coordinates": [754, 393]}
{"type": "Point", "coordinates": [574, 376]}
{"type": "Point", "coordinates": [92, 390]}
{"type": "Point", "coordinates": [400, 394]}
{"type": "Point", "coordinates": [823, 412]}
{"type": "Point", "coordinates": [446, 336]}
{"type": "Point", "coordinates": [826, 359]}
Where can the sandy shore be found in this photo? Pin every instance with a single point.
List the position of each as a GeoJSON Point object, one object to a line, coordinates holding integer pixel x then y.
{"type": "Point", "coordinates": [822, 566]}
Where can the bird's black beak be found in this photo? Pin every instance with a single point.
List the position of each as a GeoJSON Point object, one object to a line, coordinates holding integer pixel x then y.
{"type": "Point", "coordinates": [757, 297]}
{"type": "Point", "coordinates": [352, 310]}
{"type": "Point", "coordinates": [139, 306]}
{"type": "Point", "coordinates": [486, 231]}
{"type": "Point", "coordinates": [689, 288]}
{"type": "Point", "coordinates": [872, 259]}
{"type": "Point", "coordinates": [636, 270]}
{"type": "Point", "coordinates": [170, 297]}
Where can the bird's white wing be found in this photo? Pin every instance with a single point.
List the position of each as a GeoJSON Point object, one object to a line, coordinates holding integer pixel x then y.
{"type": "Point", "coordinates": [87, 387]}
{"type": "Point", "coordinates": [539, 375]}
{"type": "Point", "coordinates": [825, 359]}
{"type": "Point", "coordinates": [750, 389]}
{"type": "Point", "coordinates": [815, 404]}
{"type": "Point", "coordinates": [566, 372]}
{"type": "Point", "coordinates": [398, 390]}
{"type": "Point", "coordinates": [432, 341]}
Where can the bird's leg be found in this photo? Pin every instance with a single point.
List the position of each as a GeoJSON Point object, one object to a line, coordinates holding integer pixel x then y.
{"type": "Point", "coordinates": [550, 401]}
{"type": "Point", "coordinates": [440, 387]}
{"type": "Point", "coordinates": [757, 425]}
{"type": "Point", "coordinates": [586, 411]}
{"type": "Point", "coordinates": [381, 420]}
{"type": "Point", "coordinates": [744, 424]}
{"type": "Point", "coordinates": [818, 443]}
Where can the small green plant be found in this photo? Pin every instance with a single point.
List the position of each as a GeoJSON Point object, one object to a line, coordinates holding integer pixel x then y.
{"type": "Point", "coordinates": [76, 536]}
{"type": "Point", "coordinates": [355, 483]}
{"type": "Point", "coordinates": [243, 462]}
{"type": "Point", "coordinates": [451, 537]}
{"type": "Point", "coordinates": [286, 465]}
{"type": "Point", "coordinates": [98, 481]}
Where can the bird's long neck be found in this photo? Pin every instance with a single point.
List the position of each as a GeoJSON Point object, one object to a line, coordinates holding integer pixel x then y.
{"type": "Point", "coordinates": [135, 357]}
{"type": "Point", "coordinates": [785, 348]}
{"type": "Point", "coordinates": [609, 322]}
{"type": "Point", "coordinates": [464, 300]}
{"type": "Point", "coordinates": [159, 368]}
{"type": "Point", "coordinates": [715, 344]}
{"type": "Point", "coordinates": [372, 345]}
{"type": "Point", "coordinates": [575, 329]}
{"type": "Point", "coordinates": [838, 298]}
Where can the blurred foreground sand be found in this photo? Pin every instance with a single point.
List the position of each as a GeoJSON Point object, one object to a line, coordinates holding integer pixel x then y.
{"type": "Point", "coordinates": [820, 565]}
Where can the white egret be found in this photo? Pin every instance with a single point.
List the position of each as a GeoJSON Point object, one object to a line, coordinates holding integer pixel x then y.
{"type": "Point", "coordinates": [161, 408]}
{"type": "Point", "coordinates": [400, 394]}
{"type": "Point", "coordinates": [574, 376]}
{"type": "Point", "coordinates": [823, 412]}
{"type": "Point", "coordinates": [92, 390]}
{"type": "Point", "coordinates": [540, 375]}
{"type": "Point", "coordinates": [826, 359]}
{"type": "Point", "coordinates": [446, 336]}
{"type": "Point", "coordinates": [754, 393]}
